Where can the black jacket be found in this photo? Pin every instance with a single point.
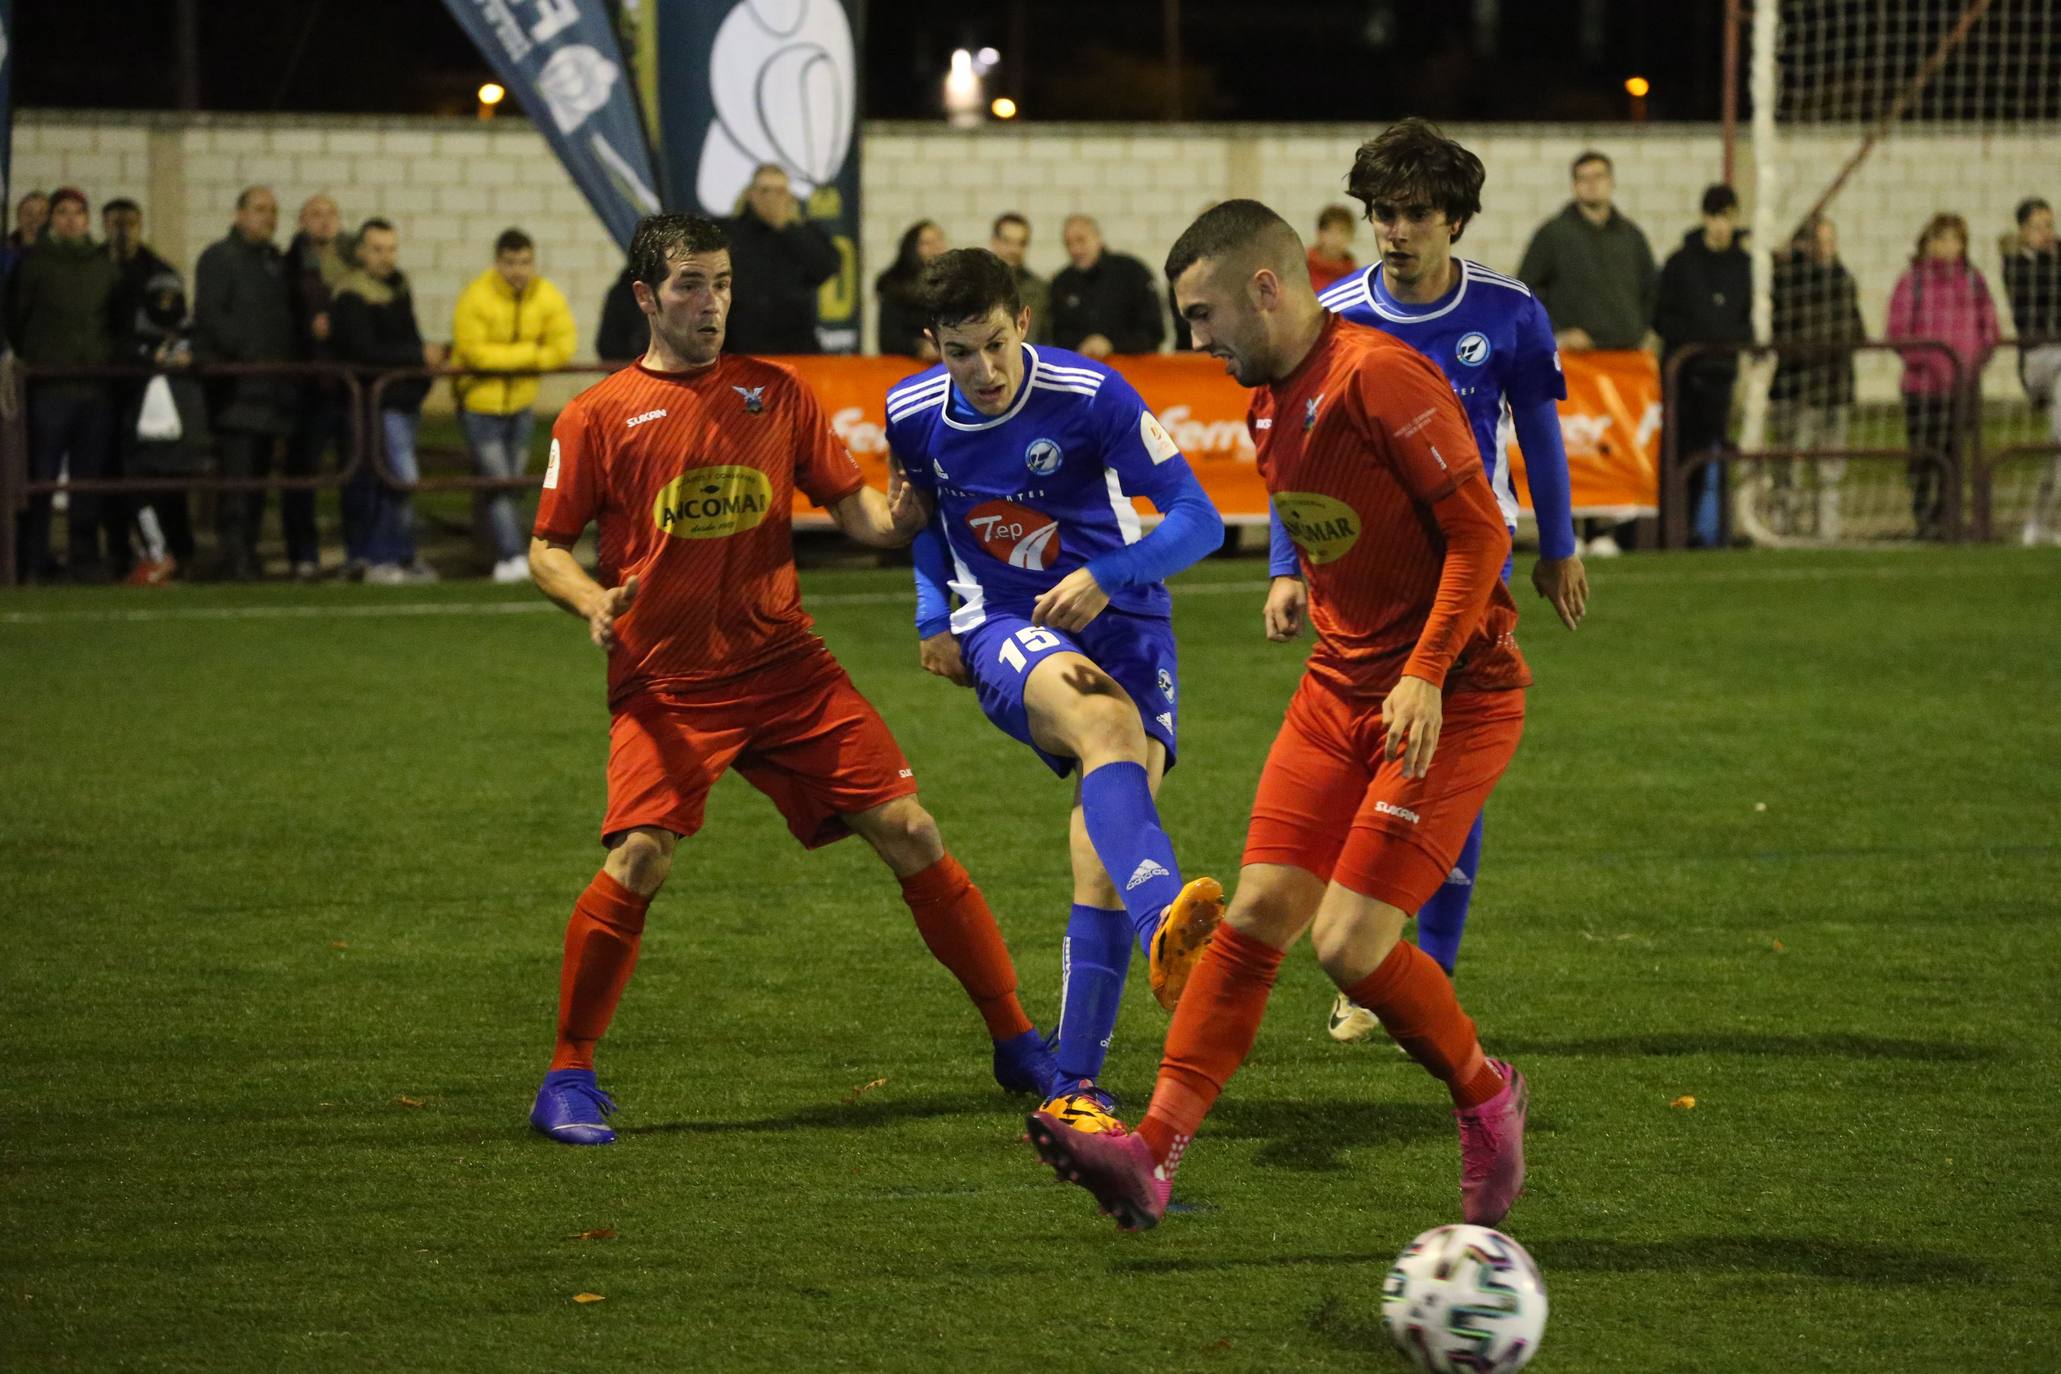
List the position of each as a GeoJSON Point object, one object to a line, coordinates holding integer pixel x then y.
{"type": "Point", "coordinates": [1115, 299]}
{"type": "Point", "coordinates": [2033, 282]}
{"type": "Point", "coordinates": [372, 325]}
{"type": "Point", "coordinates": [242, 314]}
{"type": "Point", "coordinates": [1705, 297]}
{"type": "Point", "coordinates": [1813, 302]}
{"type": "Point", "coordinates": [901, 319]}
{"type": "Point", "coordinates": [777, 272]}
{"type": "Point", "coordinates": [624, 334]}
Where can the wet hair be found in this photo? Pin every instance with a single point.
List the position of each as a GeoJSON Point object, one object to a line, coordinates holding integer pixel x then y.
{"type": "Point", "coordinates": [514, 241]}
{"type": "Point", "coordinates": [963, 284]}
{"type": "Point", "coordinates": [1413, 159]}
{"type": "Point", "coordinates": [661, 238]}
{"type": "Point", "coordinates": [1718, 198]}
{"type": "Point", "coordinates": [1238, 226]}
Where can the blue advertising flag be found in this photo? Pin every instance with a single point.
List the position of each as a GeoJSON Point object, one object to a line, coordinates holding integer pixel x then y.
{"type": "Point", "coordinates": [561, 60]}
{"type": "Point", "coordinates": [748, 83]}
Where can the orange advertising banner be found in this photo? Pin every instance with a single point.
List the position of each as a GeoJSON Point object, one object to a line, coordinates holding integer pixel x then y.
{"type": "Point", "coordinates": [1611, 422]}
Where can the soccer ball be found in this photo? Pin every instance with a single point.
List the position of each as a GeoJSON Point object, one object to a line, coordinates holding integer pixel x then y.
{"type": "Point", "coordinates": [1465, 1298]}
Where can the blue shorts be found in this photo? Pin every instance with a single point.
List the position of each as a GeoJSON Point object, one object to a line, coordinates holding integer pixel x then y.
{"type": "Point", "coordinates": [1136, 650]}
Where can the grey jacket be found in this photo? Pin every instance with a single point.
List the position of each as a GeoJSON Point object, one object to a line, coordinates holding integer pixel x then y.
{"type": "Point", "coordinates": [1598, 278]}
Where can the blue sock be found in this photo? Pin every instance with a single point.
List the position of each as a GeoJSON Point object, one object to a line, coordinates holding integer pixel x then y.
{"type": "Point", "coordinates": [1098, 958]}
{"type": "Point", "coordinates": [1444, 917]}
{"type": "Point", "coordinates": [1123, 825]}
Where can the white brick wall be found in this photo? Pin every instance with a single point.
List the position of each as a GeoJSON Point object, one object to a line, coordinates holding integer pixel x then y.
{"type": "Point", "coordinates": [452, 185]}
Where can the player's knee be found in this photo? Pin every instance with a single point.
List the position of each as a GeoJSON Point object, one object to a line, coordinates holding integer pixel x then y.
{"type": "Point", "coordinates": [640, 860]}
{"type": "Point", "coordinates": [905, 835]}
{"type": "Point", "coordinates": [1350, 944]}
{"type": "Point", "coordinates": [1268, 917]}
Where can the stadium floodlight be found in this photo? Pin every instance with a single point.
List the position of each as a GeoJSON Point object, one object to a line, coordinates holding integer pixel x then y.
{"type": "Point", "coordinates": [1003, 107]}
{"type": "Point", "coordinates": [1637, 87]}
{"type": "Point", "coordinates": [988, 58]}
{"type": "Point", "coordinates": [965, 93]}
{"type": "Point", "coordinates": [491, 94]}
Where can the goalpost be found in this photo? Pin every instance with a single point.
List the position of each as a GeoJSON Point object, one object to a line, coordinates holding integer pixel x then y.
{"type": "Point", "coordinates": [1870, 120]}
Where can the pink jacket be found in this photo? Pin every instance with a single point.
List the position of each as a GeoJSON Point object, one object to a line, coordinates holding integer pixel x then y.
{"type": "Point", "coordinates": [1947, 301]}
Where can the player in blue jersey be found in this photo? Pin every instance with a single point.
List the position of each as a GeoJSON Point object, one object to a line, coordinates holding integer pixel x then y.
{"type": "Point", "coordinates": [1063, 626]}
{"type": "Point", "coordinates": [1493, 341]}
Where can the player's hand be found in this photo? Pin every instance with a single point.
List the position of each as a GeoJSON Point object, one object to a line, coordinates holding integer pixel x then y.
{"type": "Point", "coordinates": [939, 654]}
{"type": "Point", "coordinates": [1410, 721]}
{"type": "Point", "coordinates": [1563, 582]}
{"type": "Point", "coordinates": [1287, 599]}
{"type": "Point", "coordinates": [1077, 599]}
{"type": "Point", "coordinates": [613, 606]}
{"type": "Point", "coordinates": [906, 504]}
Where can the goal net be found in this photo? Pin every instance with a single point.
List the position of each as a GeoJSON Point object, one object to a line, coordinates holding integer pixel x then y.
{"type": "Point", "coordinates": [1874, 122]}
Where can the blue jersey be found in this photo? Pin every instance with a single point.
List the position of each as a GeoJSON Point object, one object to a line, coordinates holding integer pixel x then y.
{"type": "Point", "coordinates": [1025, 497]}
{"type": "Point", "coordinates": [1492, 339]}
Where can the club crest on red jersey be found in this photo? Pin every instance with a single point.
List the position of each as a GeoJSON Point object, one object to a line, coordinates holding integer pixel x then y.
{"type": "Point", "coordinates": [1018, 535]}
{"type": "Point", "coordinates": [754, 399]}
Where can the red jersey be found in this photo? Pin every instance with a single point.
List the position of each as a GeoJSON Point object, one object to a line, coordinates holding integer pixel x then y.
{"type": "Point", "coordinates": [1373, 470]}
{"type": "Point", "coordinates": [690, 479]}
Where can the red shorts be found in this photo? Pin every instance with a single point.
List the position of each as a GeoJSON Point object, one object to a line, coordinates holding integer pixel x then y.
{"type": "Point", "coordinates": [801, 734]}
{"type": "Point", "coordinates": [1330, 803]}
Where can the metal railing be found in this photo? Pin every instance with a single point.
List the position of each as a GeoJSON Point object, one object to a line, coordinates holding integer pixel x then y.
{"type": "Point", "coordinates": [1962, 455]}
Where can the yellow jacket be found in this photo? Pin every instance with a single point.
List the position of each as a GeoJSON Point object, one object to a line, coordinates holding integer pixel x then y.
{"type": "Point", "coordinates": [493, 328]}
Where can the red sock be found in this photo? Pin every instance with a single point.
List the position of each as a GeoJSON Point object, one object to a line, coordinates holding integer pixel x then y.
{"type": "Point", "coordinates": [601, 943]}
{"type": "Point", "coordinates": [1414, 999]}
{"type": "Point", "coordinates": [961, 933]}
{"type": "Point", "coordinates": [1213, 1030]}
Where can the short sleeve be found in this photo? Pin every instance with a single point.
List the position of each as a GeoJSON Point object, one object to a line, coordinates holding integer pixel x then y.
{"type": "Point", "coordinates": [569, 501]}
{"type": "Point", "coordinates": [1533, 373]}
{"type": "Point", "coordinates": [824, 468]}
{"type": "Point", "coordinates": [1135, 445]}
{"type": "Point", "coordinates": [1417, 423]}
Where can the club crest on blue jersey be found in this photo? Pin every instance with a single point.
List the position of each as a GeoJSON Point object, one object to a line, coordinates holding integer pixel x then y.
{"type": "Point", "coordinates": [754, 399]}
{"type": "Point", "coordinates": [1166, 685]}
{"type": "Point", "coordinates": [1473, 349]}
{"type": "Point", "coordinates": [1043, 457]}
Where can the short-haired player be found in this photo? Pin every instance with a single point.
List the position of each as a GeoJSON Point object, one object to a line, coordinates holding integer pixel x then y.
{"type": "Point", "coordinates": [1063, 625]}
{"type": "Point", "coordinates": [1407, 714]}
{"type": "Point", "coordinates": [1492, 339]}
{"type": "Point", "coordinates": [687, 463]}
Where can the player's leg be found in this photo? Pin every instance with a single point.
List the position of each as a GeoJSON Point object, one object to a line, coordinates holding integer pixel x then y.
{"type": "Point", "coordinates": [960, 932]}
{"type": "Point", "coordinates": [1096, 961]}
{"type": "Point", "coordinates": [1078, 711]}
{"type": "Point", "coordinates": [662, 761]}
{"type": "Point", "coordinates": [1313, 776]}
{"type": "Point", "coordinates": [602, 939]}
{"type": "Point", "coordinates": [825, 758]}
{"type": "Point", "coordinates": [1403, 841]}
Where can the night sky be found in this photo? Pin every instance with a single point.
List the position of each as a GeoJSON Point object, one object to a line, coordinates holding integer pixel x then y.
{"type": "Point", "coordinates": [1063, 59]}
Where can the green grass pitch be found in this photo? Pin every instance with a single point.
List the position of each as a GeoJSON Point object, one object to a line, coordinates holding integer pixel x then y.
{"type": "Point", "coordinates": [284, 874]}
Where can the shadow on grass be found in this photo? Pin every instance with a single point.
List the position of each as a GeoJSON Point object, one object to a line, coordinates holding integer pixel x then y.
{"type": "Point", "coordinates": [1818, 1257]}
{"type": "Point", "coordinates": [1209, 1264]}
{"type": "Point", "coordinates": [1312, 1137]}
{"type": "Point", "coordinates": [869, 1111]}
{"type": "Point", "coordinates": [1666, 1044]}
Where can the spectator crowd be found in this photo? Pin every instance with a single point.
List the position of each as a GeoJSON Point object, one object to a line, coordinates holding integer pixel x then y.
{"type": "Point", "coordinates": [260, 316]}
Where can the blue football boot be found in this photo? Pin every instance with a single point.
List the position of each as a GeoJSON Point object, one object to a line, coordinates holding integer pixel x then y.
{"type": "Point", "coordinates": [572, 1110]}
{"type": "Point", "coordinates": [1026, 1064]}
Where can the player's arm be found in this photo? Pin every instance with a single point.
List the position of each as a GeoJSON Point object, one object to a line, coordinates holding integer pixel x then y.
{"type": "Point", "coordinates": [937, 648]}
{"type": "Point", "coordinates": [1534, 385]}
{"type": "Point", "coordinates": [559, 576]}
{"type": "Point", "coordinates": [1420, 429]}
{"type": "Point", "coordinates": [1288, 599]}
{"type": "Point", "coordinates": [1146, 461]}
{"type": "Point", "coordinates": [883, 521]}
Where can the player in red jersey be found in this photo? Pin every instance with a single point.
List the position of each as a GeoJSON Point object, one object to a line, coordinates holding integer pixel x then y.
{"type": "Point", "coordinates": [1409, 711]}
{"type": "Point", "coordinates": [687, 463]}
